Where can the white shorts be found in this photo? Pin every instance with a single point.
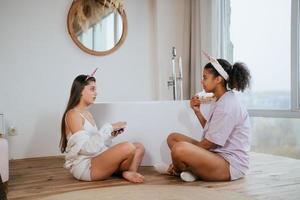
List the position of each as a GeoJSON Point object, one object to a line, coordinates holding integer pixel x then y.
{"type": "Point", "coordinates": [82, 171]}
{"type": "Point", "coordinates": [235, 173]}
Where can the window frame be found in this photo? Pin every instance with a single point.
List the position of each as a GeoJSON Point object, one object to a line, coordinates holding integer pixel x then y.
{"type": "Point", "coordinates": [295, 55]}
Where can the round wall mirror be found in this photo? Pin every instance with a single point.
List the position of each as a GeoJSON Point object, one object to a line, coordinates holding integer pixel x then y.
{"type": "Point", "coordinates": [98, 27]}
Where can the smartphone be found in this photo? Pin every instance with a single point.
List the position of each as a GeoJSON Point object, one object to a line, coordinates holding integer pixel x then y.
{"type": "Point", "coordinates": [116, 132]}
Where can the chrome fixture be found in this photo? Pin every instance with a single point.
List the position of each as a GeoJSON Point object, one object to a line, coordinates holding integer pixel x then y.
{"type": "Point", "coordinates": [174, 80]}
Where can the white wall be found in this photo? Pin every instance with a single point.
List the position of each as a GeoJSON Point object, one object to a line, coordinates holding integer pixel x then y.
{"type": "Point", "coordinates": [173, 29]}
{"type": "Point", "coordinates": [38, 62]}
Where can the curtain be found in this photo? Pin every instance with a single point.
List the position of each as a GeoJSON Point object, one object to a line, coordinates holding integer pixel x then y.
{"type": "Point", "coordinates": [210, 20]}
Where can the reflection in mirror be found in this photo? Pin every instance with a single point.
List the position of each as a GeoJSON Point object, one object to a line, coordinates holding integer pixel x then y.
{"type": "Point", "coordinates": [104, 34]}
{"type": "Point", "coordinates": [97, 26]}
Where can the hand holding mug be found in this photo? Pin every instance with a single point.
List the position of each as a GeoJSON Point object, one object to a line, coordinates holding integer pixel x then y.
{"type": "Point", "coordinates": [195, 103]}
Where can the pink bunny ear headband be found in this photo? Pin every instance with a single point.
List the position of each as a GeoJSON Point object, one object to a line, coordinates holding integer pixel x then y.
{"type": "Point", "coordinates": [92, 74]}
{"type": "Point", "coordinates": [216, 65]}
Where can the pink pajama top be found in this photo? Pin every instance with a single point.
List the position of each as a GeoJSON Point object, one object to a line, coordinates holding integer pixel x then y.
{"type": "Point", "coordinates": [228, 126]}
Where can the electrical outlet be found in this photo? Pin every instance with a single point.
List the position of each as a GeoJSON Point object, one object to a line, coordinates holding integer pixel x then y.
{"type": "Point", "coordinates": [12, 131]}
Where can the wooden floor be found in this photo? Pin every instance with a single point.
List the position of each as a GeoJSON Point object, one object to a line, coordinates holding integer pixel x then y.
{"type": "Point", "coordinates": [270, 177]}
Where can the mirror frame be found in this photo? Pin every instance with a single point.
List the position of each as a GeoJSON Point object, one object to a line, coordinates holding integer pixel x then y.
{"type": "Point", "coordinates": [71, 13]}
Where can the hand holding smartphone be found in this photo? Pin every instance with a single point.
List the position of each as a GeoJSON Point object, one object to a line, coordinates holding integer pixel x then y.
{"type": "Point", "coordinates": [118, 128]}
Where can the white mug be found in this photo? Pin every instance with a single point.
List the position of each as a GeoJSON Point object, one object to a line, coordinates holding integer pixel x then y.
{"type": "Point", "coordinates": [206, 98]}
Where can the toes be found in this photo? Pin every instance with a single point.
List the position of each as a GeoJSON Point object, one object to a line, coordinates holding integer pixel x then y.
{"type": "Point", "coordinates": [139, 178]}
{"type": "Point", "coordinates": [133, 177]}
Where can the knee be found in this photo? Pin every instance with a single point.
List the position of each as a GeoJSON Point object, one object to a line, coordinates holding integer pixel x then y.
{"type": "Point", "coordinates": [127, 148]}
{"type": "Point", "coordinates": [139, 147]}
{"type": "Point", "coordinates": [179, 149]}
{"type": "Point", "coordinates": [171, 137]}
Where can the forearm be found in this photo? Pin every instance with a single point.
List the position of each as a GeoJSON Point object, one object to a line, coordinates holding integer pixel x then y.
{"type": "Point", "coordinates": [201, 118]}
{"type": "Point", "coordinates": [206, 144]}
{"type": "Point", "coordinates": [98, 141]}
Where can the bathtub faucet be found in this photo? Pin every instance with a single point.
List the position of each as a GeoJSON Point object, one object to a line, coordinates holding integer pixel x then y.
{"type": "Point", "coordinates": [174, 80]}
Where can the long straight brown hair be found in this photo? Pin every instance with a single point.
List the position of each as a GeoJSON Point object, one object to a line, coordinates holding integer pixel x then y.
{"type": "Point", "coordinates": [78, 85]}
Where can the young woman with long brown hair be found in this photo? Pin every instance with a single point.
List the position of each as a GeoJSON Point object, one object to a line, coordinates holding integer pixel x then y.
{"type": "Point", "coordinates": [89, 153]}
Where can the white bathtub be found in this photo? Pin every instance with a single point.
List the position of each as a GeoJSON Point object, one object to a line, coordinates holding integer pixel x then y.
{"type": "Point", "coordinates": [150, 123]}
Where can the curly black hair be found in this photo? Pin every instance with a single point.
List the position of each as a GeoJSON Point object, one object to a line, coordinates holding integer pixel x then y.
{"type": "Point", "coordinates": [239, 75]}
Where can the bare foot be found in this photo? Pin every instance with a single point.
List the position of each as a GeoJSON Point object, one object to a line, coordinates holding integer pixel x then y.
{"type": "Point", "coordinates": [133, 177]}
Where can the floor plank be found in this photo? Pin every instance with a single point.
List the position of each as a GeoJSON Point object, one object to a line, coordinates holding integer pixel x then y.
{"type": "Point", "coordinates": [270, 177]}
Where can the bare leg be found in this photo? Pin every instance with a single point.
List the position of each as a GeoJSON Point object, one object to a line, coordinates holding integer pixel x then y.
{"type": "Point", "coordinates": [132, 173]}
{"type": "Point", "coordinates": [116, 158]}
{"type": "Point", "coordinates": [138, 157]}
{"type": "Point", "coordinates": [173, 138]}
{"type": "Point", "coordinates": [203, 163]}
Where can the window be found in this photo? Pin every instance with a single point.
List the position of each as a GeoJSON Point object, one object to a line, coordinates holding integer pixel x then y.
{"type": "Point", "coordinates": [109, 29]}
{"type": "Point", "coordinates": [260, 32]}
{"type": "Point", "coordinates": [279, 136]}
{"type": "Point", "coordinates": [265, 34]}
